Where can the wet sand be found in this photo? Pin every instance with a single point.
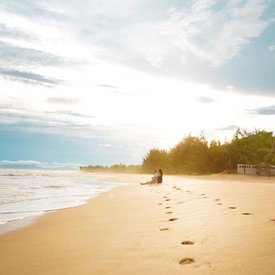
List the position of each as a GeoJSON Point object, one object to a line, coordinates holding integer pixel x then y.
{"type": "Point", "coordinates": [220, 224]}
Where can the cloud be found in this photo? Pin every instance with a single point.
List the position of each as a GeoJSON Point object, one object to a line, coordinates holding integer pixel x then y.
{"type": "Point", "coordinates": [21, 162]}
{"type": "Point", "coordinates": [155, 57]}
{"type": "Point", "coordinates": [105, 145]}
{"type": "Point", "coordinates": [17, 56]}
{"type": "Point", "coordinates": [29, 77]}
{"type": "Point", "coordinates": [267, 110]}
{"type": "Point", "coordinates": [204, 99]}
{"type": "Point", "coordinates": [40, 165]}
{"type": "Point", "coordinates": [69, 113]}
{"type": "Point", "coordinates": [63, 100]}
{"type": "Point", "coordinates": [38, 10]}
{"type": "Point", "coordinates": [142, 36]}
{"type": "Point", "coordinates": [230, 88]}
{"type": "Point", "coordinates": [216, 31]}
{"type": "Point", "coordinates": [8, 32]}
{"type": "Point", "coordinates": [112, 89]}
{"type": "Point", "coordinates": [228, 128]}
{"type": "Point", "coordinates": [106, 86]}
{"type": "Point", "coordinates": [68, 123]}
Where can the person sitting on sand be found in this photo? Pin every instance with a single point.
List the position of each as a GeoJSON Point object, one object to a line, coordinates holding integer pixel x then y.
{"type": "Point", "coordinates": [155, 179]}
{"type": "Point", "coordinates": [160, 175]}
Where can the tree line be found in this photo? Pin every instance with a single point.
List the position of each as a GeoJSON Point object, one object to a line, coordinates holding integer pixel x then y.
{"type": "Point", "coordinates": [195, 155]}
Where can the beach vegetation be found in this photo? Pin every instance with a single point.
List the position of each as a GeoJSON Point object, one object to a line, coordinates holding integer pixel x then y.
{"type": "Point", "coordinates": [154, 158]}
{"type": "Point", "coordinates": [194, 155]}
{"type": "Point", "coordinates": [190, 156]}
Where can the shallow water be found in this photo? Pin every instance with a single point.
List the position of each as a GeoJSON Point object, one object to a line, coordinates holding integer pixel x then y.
{"type": "Point", "coordinates": [29, 193]}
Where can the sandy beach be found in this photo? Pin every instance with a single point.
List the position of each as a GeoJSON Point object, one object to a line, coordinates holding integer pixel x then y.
{"type": "Point", "coordinates": [219, 224]}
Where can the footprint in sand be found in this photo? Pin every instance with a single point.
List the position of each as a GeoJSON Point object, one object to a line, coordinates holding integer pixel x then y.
{"type": "Point", "coordinates": [172, 219]}
{"type": "Point", "coordinates": [167, 200]}
{"type": "Point", "coordinates": [232, 207]}
{"type": "Point", "coordinates": [217, 199]}
{"type": "Point", "coordinates": [164, 229]}
{"type": "Point", "coordinates": [246, 214]}
{"type": "Point", "coordinates": [187, 243]}
{"type": "Point", "coordinates": [167, 207]}
{"type": "Point", "coordinates": [185, 261]}
{"type": "Point", "coordinates": [160, 203]}
{"type": "Point", "coordinates": [169, 212]}
{"type": "Point", "coordinates": [273, 220]}
{"type": "Point", "coordinates": [219, 203]}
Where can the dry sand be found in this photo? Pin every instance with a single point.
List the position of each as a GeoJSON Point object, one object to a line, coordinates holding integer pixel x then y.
{"type": "Point", "coordinates": [187, 225]}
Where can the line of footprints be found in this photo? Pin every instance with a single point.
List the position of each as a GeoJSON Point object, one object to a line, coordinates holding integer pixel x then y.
{"type": "Point", "coordinates": [186, 261]}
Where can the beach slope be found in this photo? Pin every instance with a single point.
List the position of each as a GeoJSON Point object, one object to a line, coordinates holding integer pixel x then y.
{"type": "Point", "coordinates": [187, 225]}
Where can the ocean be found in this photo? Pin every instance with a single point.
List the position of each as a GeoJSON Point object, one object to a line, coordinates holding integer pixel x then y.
{"type": "Point", "coordinates": [26, 194]}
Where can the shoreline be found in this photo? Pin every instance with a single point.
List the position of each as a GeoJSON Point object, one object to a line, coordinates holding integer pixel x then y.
{"type": "Point", "coordinates": [219, 224]}
{"type": "Point", "coordinates": [17, 224]}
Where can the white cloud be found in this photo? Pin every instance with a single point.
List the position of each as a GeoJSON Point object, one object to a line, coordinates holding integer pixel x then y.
{"type": "Point", "coordinates": [216, 35]}
{"type": "Point", "coordinates": [63, 100]}
{"type": "Point", "coordinates": [184, 59]}
{"type": "Point", "coordinates": [154, 57]}
{"type": "Point", "coordinates": [21, 162]}
{"type": "Point", "coordinates": [105, 145]}
{"type": "Point", "coordinates": [230, 88]}
{"type": "Point", "coordinates": [42, 165]}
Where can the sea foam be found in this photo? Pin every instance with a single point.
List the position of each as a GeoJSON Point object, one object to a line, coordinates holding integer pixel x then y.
{"type": "Point", "coordinates": [30, 193]}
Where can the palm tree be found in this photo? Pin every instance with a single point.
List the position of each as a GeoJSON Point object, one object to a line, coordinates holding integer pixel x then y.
{"type": "Point", "coordinates": [270, 157]}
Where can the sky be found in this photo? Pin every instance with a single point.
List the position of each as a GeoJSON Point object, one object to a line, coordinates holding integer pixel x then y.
{"type": "Point", "coordinates": [89, 82]}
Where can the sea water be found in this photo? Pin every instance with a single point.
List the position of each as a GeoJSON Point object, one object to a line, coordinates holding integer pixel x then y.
{"type": "Point", "coordinates": [30, 193]}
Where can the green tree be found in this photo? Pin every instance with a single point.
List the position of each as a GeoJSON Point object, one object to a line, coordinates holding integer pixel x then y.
{"type": "Point", "coordinates": [190, 156]}
{"type": "Point", "coordinates": [270, 157]}
{"type": "Point", "coordinates": [249, 147]}
{"type": "Point", "coordinates": [155, 159]}
{"type": "Point", "coordinates": [217, 154]}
